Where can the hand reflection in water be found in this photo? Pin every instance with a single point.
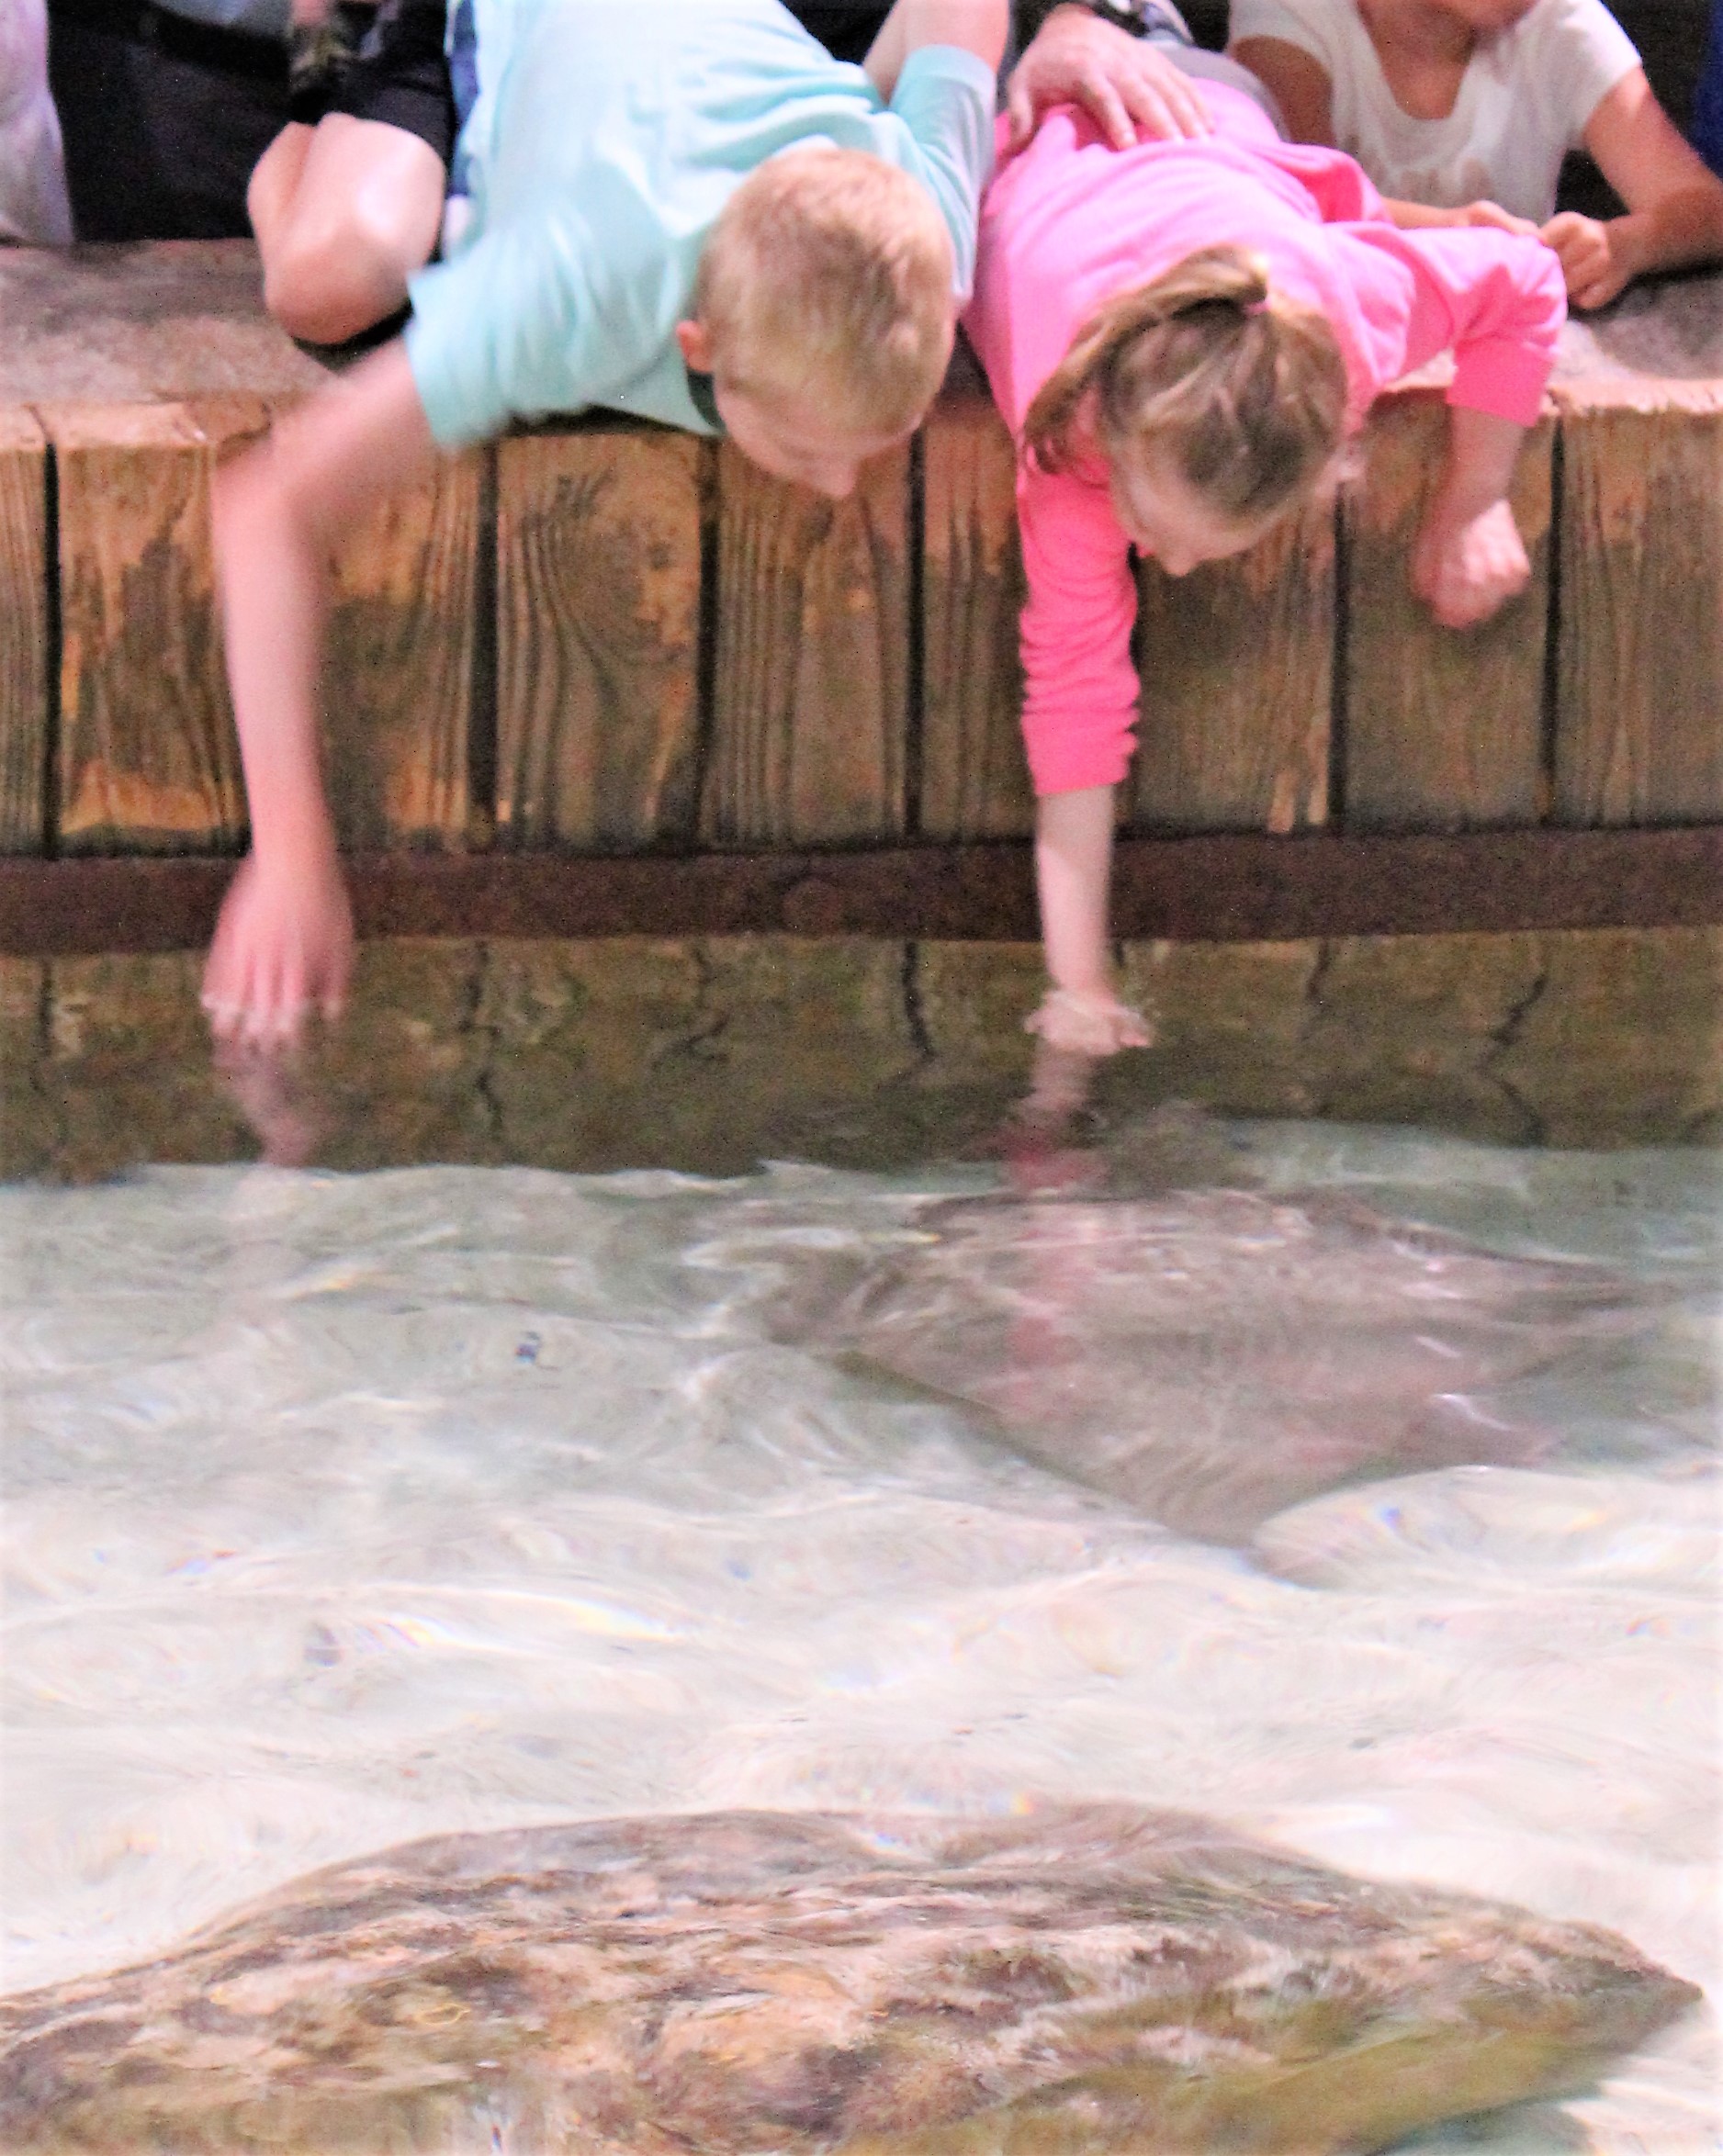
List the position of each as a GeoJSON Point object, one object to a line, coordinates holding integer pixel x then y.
{"type": "Point", "coordinates": [272, 1088]}
{"type": "Point", "coordinates": [1037, 1141]}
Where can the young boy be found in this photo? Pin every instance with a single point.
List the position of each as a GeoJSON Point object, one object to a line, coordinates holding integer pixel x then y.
{"type": "Point", "coordinates": [683, 209]}
{"type": "Point", "coordinates": [1462, 110]}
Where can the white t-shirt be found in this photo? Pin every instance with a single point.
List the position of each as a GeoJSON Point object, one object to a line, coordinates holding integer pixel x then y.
{"type": "Point", "coordinates": [1525, 100]}
{"type": "Point", "coordinates": [32, 185]}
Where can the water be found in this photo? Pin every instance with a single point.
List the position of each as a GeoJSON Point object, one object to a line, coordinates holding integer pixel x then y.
{"type": "Point", "coordinates": [346, 1510]}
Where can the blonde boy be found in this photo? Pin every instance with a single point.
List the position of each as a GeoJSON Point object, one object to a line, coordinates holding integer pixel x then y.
{"type": "Point", "coordinates": [685, 209]}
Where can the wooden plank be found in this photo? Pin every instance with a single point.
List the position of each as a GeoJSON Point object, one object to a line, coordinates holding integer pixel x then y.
{"type": "Point", "coordinates": [1444, 727]}
{"type": "Point", "coordinates": [148, 761]}
{"type": "Point", "coordinates": [974, 781]}
{"type": "Point", "coordinates": [400, 675]}
{"type": "Point", "coordinates": [598, 637]}
{"type": "Point", "coordinates": [1639, 638]}
{"type": "Point", "coordinates": [810, 713]}
{"type": "Point", "coordinates": [1211, 888]}
{"type": "Point", "coordinates": [25, 712]}
{"type": "Point", "coordinates": [1237, 667]}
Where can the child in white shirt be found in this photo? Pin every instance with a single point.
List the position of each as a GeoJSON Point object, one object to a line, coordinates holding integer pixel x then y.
{"type": "Point", "coordinates": [1461, 111]}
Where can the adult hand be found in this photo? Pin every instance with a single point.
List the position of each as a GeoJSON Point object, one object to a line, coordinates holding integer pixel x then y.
{"type": "Point", "coordinates": [1133, 92]}
{"type": "Point", "coordinates": [1593, 265]}
{"type": "Point", "coordinates": [1466, 565]}
{"type": "Point", "coordinates": [283, 949]}
{"type": "Point", "coordinates": [1088, 1022]}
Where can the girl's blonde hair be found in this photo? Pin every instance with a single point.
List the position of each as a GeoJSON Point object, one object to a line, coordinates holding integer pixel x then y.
{"type": "Point", "coordinates": [1243, 392]}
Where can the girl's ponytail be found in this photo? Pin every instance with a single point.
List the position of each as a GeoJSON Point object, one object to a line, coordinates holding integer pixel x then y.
{"type": "Point", "coordinates": [1245, 392]}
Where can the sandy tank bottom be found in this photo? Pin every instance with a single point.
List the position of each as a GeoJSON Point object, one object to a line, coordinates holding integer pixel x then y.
{"type": "Point", "coordinates": [347, 1510]}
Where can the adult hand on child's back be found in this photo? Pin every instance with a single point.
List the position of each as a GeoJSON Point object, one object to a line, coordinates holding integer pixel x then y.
{"type": "Point", "coordinates": [1464, 567]}
{"type": "Point", "coordinates": [283, 949]}
{"type": "Point", "coordinates": [1591, 262]}
{"type": "Point", "coordinates": [1133, 92]}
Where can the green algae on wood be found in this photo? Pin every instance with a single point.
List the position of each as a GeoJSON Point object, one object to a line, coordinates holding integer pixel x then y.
{"type": "Point", "coordinates": [1087, 1978]}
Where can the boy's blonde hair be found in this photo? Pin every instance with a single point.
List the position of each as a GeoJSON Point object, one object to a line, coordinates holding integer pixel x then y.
{"type": "Point", "coordinates": [830, 274]}
{"type": "Point", "coordinates": [1241, 391]}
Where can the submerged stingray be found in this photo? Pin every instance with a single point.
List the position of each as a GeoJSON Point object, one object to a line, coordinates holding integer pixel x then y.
{"type": "Point", "coordinates": [1211, 1356]}
{"type": "Point", "coordinates": [1095, 1977]}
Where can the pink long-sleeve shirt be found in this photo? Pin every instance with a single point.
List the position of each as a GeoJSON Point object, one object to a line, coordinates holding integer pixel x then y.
{"type": "Point", "coordinates": [1070, 222]}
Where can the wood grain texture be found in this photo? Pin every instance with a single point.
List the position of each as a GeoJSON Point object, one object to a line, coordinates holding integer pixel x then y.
{"type": "Point", "coordinates": [399, 680]}
{"type": "Point", "coordinates": [975, 779]}
{"type": "Point", "coordinates": [598, 637]}
{"type": "Point", "coordinates": [810, 699]}
{"type": "Point", "coordinates": [148, 761]}
{"type": "Point", "coordinates": [25, 712]}
{"type": "Point", "coordinates": [1444, 727]}
{"type": "Point", "coordinates": [1237, 667]}
{"type": "Point", "coordinates": [1639, 634]}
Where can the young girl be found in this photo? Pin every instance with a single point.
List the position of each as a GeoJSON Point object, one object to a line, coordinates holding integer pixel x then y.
{"type": "Point", "coordinates": [1182, 336]}
{"type": "Point", "coordinates": [1462, 111]}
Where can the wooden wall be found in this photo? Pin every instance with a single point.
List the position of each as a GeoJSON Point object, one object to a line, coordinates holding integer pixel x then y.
{"type": "Point", "coordinates": [607, 638]}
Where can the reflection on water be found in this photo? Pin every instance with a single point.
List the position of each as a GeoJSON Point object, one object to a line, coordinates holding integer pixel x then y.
{"type": "Point", "coordinates": [1353, 1488]}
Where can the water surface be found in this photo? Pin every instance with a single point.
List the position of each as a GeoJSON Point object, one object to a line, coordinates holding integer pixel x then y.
{"type": "Point", "coordinates": [346, 1510]}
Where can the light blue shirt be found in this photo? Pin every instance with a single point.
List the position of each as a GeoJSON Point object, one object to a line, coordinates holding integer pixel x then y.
{"type": "Point", "coordinates": [607, 137]}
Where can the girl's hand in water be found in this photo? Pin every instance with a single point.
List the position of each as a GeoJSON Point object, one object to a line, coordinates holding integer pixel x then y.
{"type": "Point", "coordinates": [283, 949]}
{"type": "Point", "coordinates": [1088, 1022]}
{"type": "Point", "coordinates": [1466, 565]}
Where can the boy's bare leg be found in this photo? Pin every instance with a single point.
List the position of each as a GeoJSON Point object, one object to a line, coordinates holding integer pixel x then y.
{"type": "Point", "coordinates": [344, 222]}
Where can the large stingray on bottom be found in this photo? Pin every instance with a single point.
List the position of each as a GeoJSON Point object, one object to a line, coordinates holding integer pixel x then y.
{"type": "Point", "coordinates": [1211, 1356]}
{"type": "Point", "coordinates": [1092, 1979]}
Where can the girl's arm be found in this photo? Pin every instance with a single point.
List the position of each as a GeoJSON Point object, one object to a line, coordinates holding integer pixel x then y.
{"type": "Point", "coordinates": [1470, 558]}
{"type": "Point", "coordinates": [284, 943]}
{"type": "Point", "coordinates": [980, 26]}
{"type": "Point", "coordinates": [1674, 202]}
{"type": "Point", "coordinates": [1074, 850]}
{"type": "Point", "coordinates": [1079, 708]}
{"type": "Point", "coordinates": [1298, 84]}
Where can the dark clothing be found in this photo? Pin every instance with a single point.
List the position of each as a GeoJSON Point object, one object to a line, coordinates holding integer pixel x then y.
{"type": "Point", "coordinates": [381, 62]}
{"type": "Point", "coordinates": [164, 118]}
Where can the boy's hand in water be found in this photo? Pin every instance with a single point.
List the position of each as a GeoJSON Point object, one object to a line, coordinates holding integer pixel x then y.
{"type": "Point", "coordinates": [1088, 1022]}
{"type": "Point", "coordinates": [283, 949]}
{"type": "Point", "coordinates": [1465, 565]}
{"type": "Point", "coordinates": [1132, 91]}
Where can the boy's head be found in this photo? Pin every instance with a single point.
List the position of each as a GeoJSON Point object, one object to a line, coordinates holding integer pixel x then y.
{"type": "Point", "coordinates": [824, 313]}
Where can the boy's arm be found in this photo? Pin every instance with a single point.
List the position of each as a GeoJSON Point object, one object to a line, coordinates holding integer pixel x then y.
{"type": "Point", "coordinates": [980, 26]}
{"type": "Point", "coordinates": [1298, 84]}
{"type": "Point", "coordinates": [1674, 201]}
{"type": "Point", "coordinates": [283, 945]}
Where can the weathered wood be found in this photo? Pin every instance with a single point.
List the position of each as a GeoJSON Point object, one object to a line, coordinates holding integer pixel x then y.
{"type": "Point", "coordinates": [1639, 635]}
{"type": "Point", "coordinates": [1223, 887]}
{"type": "Point", "coordinates": [598, 637]}
{"type": "Point", "coordinates": [974, 781]}
{"type": "Point", "coordinates": [399, 670]}
{"type": "Point", "coordinates": [148, 761]}
{"type": "Point", "coordinates": [25, 713]}
{"type": "Point", "coordinates": [1237, 667]}
{"type": "Point", "coordinates": [1444, 727]}
{"type": "Point", "coordinates": [811, 698]}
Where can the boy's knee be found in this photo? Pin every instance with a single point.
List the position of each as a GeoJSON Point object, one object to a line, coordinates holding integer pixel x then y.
{"type": "Point", "coordinates": [315, 293]}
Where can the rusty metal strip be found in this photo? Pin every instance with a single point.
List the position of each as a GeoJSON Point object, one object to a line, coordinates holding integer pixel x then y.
{"type": "Point", "coordinates": [1225, 888]}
